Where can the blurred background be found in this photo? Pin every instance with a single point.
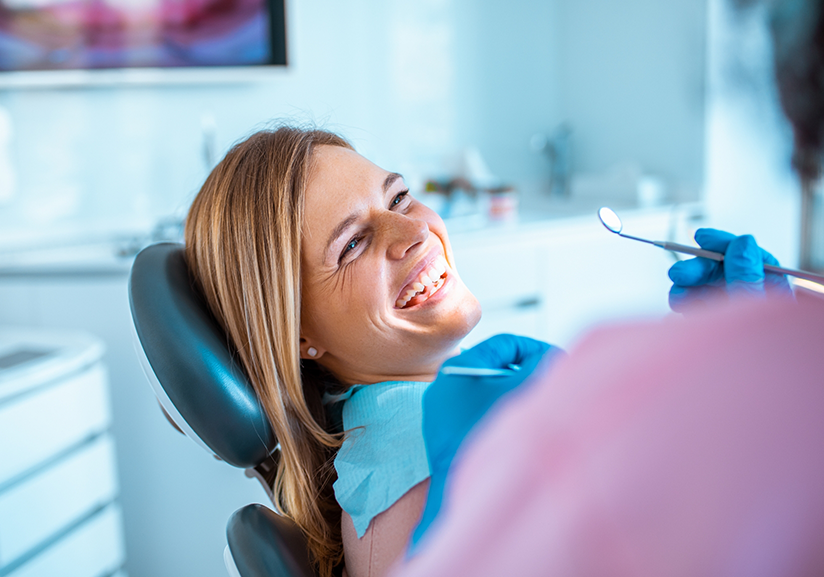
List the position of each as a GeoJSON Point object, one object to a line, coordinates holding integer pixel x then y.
{"type": "Point", "coordinates": [515, 120]}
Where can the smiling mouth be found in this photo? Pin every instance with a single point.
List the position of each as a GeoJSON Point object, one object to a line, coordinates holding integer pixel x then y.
{"type": "Point", "coordinates": [425, 285]}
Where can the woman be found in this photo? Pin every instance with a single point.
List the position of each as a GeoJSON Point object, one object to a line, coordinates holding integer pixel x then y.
{"type": "Point", "coordinates": [327, 275]}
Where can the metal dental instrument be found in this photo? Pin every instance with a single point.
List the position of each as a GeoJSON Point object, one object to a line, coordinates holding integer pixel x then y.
{"type": "Point", "coordinates": [479, 371]}
{"type": "Point", "coordinates": [613, 223]}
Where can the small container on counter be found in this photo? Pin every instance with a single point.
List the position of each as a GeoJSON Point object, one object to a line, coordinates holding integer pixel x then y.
{"type": "Point", "coordinates": [502, 204]}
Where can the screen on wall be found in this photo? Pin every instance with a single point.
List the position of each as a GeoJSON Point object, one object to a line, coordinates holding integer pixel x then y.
{"type": "Point", "coordinates": [102, 34]}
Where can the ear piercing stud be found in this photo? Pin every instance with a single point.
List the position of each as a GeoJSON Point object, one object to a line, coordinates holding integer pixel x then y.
{"type": "Point", "coordinates": [312, 351]}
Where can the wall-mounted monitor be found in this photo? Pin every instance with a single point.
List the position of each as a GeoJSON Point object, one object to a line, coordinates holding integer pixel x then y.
{"type": "Point", "coordinates": [155, 35]}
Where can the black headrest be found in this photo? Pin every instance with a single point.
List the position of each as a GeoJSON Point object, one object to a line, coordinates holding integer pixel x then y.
{"type": "Point", "coordinates": [190, 357]}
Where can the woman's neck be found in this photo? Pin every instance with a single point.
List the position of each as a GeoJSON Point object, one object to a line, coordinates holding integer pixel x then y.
{"type": "Point", "coordinates": [424, 372]}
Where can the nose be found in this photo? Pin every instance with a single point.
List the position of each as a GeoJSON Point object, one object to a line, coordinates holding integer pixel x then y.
{"type": "Point", "coordinates": [405, 234]}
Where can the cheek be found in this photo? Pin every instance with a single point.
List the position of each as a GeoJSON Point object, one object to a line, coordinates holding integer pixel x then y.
{"type": "Point", "coordinates": [431, 217]}
{"type": "Point", "coordinates": [320, 308]}
{"type": "Point", "coordinates": [435, 224]}
{"type": "Point", "coordinates": [322, 321]}
{"type": "Point", "coordinates": [358, 293]}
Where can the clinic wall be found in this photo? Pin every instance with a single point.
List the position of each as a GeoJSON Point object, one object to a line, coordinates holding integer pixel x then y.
{"type": "Point", "coordinates": [509, 81]}
{"type": "Point", "coordinates": [628, 77]}
{"type": "Point", "coordinates": [116, 159]}
{"type": "Point", "coordinates": [411, 84]}
{"type": "Point", "coordinates": [632, 85]}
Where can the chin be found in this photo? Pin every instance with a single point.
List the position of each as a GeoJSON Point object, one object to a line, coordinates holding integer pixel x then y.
{"type": "Point", "coordinates": [473, 313]}
{"type": "Point", "coordinates": [465, 317]}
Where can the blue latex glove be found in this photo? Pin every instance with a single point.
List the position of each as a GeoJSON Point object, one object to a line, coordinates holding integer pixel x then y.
{"type": "Point", "coordinates": [453, 404]}
{"type": "Point", "coordinates": [741, 272]}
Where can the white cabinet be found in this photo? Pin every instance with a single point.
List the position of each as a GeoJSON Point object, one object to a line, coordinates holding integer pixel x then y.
{"type": "Point", "coordinates": [51, 421]}
{"type": "Point", "coordinates": [501, 269]}
{"type": "Point", "coordinates": [59, 513]}
{"type": "Point", "coordinates": [175, 500]}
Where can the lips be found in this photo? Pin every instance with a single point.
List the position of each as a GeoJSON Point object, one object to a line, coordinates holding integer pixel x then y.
{"type": "Point", "coordinates": [424, 280]}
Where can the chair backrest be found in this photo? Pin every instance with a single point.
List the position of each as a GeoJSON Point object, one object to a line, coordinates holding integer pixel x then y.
{"type": "Point", "coordinates": [190, 363]}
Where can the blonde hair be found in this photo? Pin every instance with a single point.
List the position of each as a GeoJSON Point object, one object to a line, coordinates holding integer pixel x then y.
{"type": "Point", "coordinates": [243, 247]}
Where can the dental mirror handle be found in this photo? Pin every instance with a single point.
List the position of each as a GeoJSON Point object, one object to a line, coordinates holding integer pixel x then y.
{"type": "Point", "coordinates": [675, 247]}
{"type": "Point", "coordinates": [479, 371]}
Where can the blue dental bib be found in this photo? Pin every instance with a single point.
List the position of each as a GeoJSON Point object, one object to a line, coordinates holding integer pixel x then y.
{"type": "Point", "coordinates": [383, 453]}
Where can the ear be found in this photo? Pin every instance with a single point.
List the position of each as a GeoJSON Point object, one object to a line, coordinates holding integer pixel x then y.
{"type": "Point", "coordinates": [310, 350]}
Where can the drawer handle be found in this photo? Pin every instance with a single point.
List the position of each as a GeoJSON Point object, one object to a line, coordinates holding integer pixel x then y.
{"type": "Point", "coordinates": [528, 303]}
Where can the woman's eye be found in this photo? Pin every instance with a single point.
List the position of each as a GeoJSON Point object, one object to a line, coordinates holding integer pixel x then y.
{"type": "Point", "coordinates": [399, 198]}
{"type": "Point", "coordinates": [350, 246]}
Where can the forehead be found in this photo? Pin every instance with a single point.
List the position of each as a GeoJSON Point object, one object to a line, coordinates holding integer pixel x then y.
{"type": "Point", "coordinates": [341, 182]}
{"type": "Point", "coordinates": [339, 176]}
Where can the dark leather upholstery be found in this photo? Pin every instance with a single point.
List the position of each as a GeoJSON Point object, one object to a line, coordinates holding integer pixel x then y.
{"type": "Point", "coordinates": [189, 354]}
{"type": "Point", "coordinates": [192, 360]}
{"type": "Point", "coordinates": [265, 544]}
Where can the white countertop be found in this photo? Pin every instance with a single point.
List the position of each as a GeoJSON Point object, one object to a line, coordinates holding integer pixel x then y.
{"type": "Point", "coordinates": [48, 353]}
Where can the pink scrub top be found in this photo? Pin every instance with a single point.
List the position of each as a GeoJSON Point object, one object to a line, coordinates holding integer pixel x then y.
{"type": "Point", "coordinates": [691, 446]}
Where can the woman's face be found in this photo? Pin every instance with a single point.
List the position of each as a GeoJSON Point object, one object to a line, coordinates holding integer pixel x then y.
{"type": "Point", "coordinates": [381, 299]}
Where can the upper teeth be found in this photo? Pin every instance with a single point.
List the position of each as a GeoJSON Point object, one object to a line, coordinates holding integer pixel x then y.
{"type": "Point", "coordinates": [429, 277]}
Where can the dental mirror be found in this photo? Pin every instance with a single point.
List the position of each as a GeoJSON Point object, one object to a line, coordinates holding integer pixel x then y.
{"type": "Point", "coordinates": [612, 222]}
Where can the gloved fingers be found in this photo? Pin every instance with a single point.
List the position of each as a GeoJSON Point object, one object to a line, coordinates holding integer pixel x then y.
{"type": "Point", "coordinates": [768, 258]}
{"type": "Point", "coordinates": [681, 299]}
{"type": "Point", "coordinates": [777, 285]}
{"type": "Point", "coordinates": [696, 272]}
{"type": "Point", "coordinates": [741, 272]}
{"type": "Point", "coordinates": [452, 404]}
{"type": "Point", "coordinates": [508, 349]}
{"type": "Point", "coordinates": [678, 298]}
{"type": "Point", "coordinates": [500, 351]}
{"type": "Point", "coordinates": [713, 239]}
{"type": "Point", "coordinates": [744, 261]}
{"type": "Point", "coordinates": [774, 283]}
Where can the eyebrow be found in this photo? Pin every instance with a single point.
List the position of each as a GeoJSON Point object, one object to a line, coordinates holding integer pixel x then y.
{"type": "Point", "coordinates": [352, 218]}
{"type": "Point", "coordinates": [390, 180]}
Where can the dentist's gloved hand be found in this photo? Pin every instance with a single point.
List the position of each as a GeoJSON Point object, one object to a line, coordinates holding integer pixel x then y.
{"type": "Point", "coordinates": [740, 273]}
{"type": "Point", "coordinates": [453, 404]}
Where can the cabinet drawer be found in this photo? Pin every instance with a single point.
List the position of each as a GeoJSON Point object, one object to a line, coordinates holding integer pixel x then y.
{"type": "Point", "coordinates": [499, 275]}
{"type": "Point", "coordinates": [92, 550]}
{"type": "Point", "coordinates": [47, 421]}
{"type": "Point", "coordinates": [47, 503]}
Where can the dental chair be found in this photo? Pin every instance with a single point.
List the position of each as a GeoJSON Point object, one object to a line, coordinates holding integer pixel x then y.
{"type": "Point", "coordinates": [207, 396]}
